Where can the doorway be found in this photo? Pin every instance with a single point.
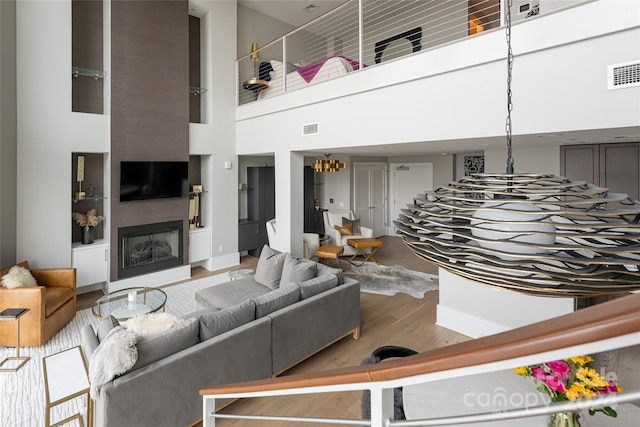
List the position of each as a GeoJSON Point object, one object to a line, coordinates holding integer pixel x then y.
{"type": "Point", "coordinates": [407, 180]}
{"type": "Point", "coordinates": [370, 195]}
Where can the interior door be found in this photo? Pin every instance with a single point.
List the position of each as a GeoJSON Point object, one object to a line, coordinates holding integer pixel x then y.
{"type": "Point", "coordinates": [613, 166]}
{"type": "Point", "coordinates": [407, 181]}
{"type": "Point", "coordinates": [370, 189]}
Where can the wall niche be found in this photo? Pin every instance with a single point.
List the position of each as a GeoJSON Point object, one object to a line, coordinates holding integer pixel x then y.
{"type": "Point", "coordinates": [87, 85]}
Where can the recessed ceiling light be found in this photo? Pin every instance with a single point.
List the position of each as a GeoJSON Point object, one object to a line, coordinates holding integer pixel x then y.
{"type": "Point", "coordinates": [311, 8]}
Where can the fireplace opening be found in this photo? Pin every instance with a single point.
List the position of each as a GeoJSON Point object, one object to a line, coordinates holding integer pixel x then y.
{"type": "Point", "coordinates": [149, 248]}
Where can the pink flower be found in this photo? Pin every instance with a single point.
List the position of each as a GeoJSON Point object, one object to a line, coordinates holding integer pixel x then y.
{"type": "Point", "coordinates": [554, 383]}
{"type": "Point", "coordinates": [610, 388]}
{"type": "Point", "coordinates": [559, 368]}
{"type": "Point", "coordinates": [538, 373]}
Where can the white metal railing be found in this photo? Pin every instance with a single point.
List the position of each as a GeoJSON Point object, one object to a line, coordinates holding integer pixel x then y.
{"type": "Point", "coordinates": [382, 393]}
{"type": "Point", "coordinates": [609, 326]}
{"type": "Point", "coordinates": [359, 34]}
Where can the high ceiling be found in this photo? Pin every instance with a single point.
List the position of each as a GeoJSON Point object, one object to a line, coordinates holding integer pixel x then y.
{"type": "Point", "coordinates": [291, 11]}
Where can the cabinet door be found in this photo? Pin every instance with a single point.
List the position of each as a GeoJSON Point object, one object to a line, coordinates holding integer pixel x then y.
{"type": "Point", "coordinates": [248, 236]}
{"type": "Point", "coordinates": [199, 245]}
{"type": "Point", "coordinates": [90, 263]}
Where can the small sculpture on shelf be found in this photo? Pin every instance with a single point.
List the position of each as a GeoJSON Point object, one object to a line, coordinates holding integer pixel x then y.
{"type": "Point", "coordinates": [87, 221]}
{"type": "Point", "coordinates": [194, 207]}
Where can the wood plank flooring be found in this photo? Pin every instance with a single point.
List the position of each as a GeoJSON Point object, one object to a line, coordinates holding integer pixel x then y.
{"type": "Point", "coordinates": [385, 320]}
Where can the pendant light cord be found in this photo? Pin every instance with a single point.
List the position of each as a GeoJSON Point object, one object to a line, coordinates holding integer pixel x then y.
{"type": "Point", "coordinates": [509, 76]}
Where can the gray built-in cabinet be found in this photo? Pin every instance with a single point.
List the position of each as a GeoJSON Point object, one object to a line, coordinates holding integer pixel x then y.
{"type": "Point", "coordinates": [261, 207]}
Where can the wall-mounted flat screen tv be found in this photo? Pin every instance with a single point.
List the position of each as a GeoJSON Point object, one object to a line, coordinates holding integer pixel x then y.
{"type": "Point", "coordinates": [153, 180]}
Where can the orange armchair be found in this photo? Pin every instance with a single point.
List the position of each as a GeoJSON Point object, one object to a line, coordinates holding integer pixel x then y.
{"type": "Point", "coordinates": [51, 304]}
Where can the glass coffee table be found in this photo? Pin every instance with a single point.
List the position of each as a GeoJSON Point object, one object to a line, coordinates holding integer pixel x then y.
{"type": "Point", "coordinates": [131, 302]}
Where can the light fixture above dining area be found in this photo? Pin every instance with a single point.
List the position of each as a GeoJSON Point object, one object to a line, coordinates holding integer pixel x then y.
{"type": "Point", "coordinates": [328, 165]}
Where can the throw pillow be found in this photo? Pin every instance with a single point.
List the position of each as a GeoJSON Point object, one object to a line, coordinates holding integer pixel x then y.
{"type": "Point", "coordinates": [269, 268]}
{"type": "Point", "coordinates": [354, 222]}
{"type": "Point", "coordinates": [105, 326]}
{"type": "Point", "coordinates": [114, 356]}
{"type": "Point", "coordinates": [324, 269]}
{"type": "Point", "coordinates": [275, 300]}
{"type": "Point", "coordinates": [215, 323]}
{"type": "Point", "coordinates": [152, 324]}
{"type": "Point", "coordinates": [18, 277]}
{"type": "Point", "coordinates": [346, 230]}
{"type": "Point", "coordinates": [317, 285]}
{"type": "Point", "coordinates": [298, 270]}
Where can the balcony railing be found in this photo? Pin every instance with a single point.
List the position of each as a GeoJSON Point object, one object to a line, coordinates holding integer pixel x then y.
{"type": "Point", "coordinates": [600, 328]}
{"type": "Point", "coordinates": [357, 35]}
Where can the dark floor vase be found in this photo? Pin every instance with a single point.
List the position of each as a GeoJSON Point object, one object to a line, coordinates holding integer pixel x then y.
{"type": "Point", "coordinates": [87, 235]}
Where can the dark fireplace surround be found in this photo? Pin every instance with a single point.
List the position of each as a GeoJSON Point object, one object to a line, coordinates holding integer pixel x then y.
{"type": "Point", "coordinates": [148, 248]}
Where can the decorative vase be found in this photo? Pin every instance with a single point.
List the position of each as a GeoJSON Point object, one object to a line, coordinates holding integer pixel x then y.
{"type": "Point", "coordinates": [87, 235]}
{"type": "Point", "coordinates": [564, 419]}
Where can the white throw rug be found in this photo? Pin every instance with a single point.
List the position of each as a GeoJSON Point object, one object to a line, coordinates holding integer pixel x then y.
{"type": "Point", "coordinates": [22, 393]}
{"type": "Point", "coordinates": [389, 280]}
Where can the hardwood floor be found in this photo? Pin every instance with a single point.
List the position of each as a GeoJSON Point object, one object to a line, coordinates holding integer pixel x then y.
{"type": "Point", "coordinates": [385, 320]}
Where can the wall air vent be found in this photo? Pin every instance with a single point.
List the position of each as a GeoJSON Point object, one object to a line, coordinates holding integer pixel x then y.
{"type": "Point", "coordinates": [310, 129]}
{"type": "Point", "coordinates": [623, 75]}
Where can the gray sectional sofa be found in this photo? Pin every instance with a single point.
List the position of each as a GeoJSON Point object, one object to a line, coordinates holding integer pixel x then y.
{"type": "Point", "coordinates": [252, 328]}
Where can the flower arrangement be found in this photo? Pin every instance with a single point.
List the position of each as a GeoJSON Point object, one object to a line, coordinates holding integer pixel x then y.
{"type": "Point", "coordinates": [90, 219]}
{"type": "Point", "coordinates": [571, 379]}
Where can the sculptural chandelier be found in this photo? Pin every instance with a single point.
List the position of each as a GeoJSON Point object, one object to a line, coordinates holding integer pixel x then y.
{"type": "Point", "coordinates": [328, 165]}
{"type": "Point", "coordinates": [537, 234]}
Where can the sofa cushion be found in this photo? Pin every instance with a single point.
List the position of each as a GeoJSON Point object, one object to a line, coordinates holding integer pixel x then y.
{"type": "Point", "coordinates": [317, 285]}
{"type": "Point", "coordinates": [55, 297]}
{"type": "Point", "coordinates": [228, 294]}
{"type": "Point", "coordinates": [275, 300]}
{"type": "Point", "coordinates": [182, 336]}
{"type": "Point", "coordinates": [105, 325]}
{"type": "Point", "coordinates": [217, 322]}
{"type": "Point", "coordinates": [298, 270]}
{"type": "Point", "coordinates": [269, 268]}
{"type": "Point", "coordinates": [18, 277]}
{"type": "Point", "coordinates": [325, 269]}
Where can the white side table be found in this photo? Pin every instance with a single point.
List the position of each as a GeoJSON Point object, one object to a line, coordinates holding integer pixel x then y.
{"type": "Point", "coordinates": [66, 377]}
{"type": "Point", "coordinates": [237, 274]}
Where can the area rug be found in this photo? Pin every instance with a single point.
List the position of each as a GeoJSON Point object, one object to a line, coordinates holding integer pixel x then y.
{"type": "Point", "coordinates": [22, 396]}
{"type": "Point", "coordinates": [389, 280]}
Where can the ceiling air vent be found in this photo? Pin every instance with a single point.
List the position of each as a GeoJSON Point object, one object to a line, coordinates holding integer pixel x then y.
{"type": "Point", "coordinates": [310, 129]}
{"type": "Point", "coordinates": [623, 75]}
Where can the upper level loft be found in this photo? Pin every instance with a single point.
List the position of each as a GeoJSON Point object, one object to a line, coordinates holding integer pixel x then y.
{"type": "Point", "coordinates": [421, 53]}
{"type": "Point", "coordinates": [363, 34]}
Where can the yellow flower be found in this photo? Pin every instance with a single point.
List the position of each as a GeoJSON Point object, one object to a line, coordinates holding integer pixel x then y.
{"type": "Point", "coordinates": [522, 370]}
{"type": "Point", "coordinates": [578, 390]}
{"type": "Point", "coordinates": [581, 360]}
{"type": "Point", "coordinates": [590, 377]}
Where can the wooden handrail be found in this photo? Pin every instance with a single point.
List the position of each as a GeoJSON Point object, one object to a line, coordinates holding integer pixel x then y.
{"type": "Point", "coordinates": [603, 321]}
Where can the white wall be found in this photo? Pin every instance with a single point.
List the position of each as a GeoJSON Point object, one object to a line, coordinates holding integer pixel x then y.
{"type": "Point", "coordinates": [48, 132]}
{"type": "Point", "coordinates": [256, 27]}
{"type": "Point", "coordinates": [525, 159]}
{"type": "Point", "coordinates": [215, 139]}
